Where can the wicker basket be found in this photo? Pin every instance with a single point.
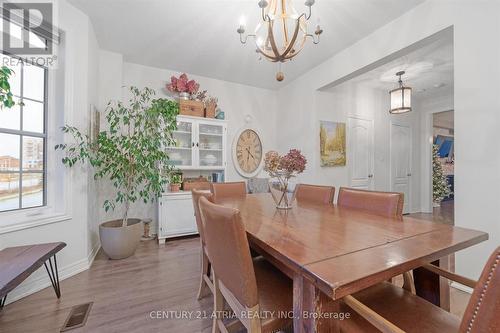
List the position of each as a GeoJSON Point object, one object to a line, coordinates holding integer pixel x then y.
{"type": "Point", "coordinates": [191, 108]}
{"type": "Point", "coordinates": [210, 111]}
{"type": "Point", "coordinates": [200, 183]}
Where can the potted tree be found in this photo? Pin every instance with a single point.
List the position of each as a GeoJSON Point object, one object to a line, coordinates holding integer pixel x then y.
{"type": "Point", "coordinates": [131, 154]}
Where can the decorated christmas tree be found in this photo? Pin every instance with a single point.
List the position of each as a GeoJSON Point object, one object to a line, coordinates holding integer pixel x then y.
{"type": "Point", "coordinates": [440, 186]}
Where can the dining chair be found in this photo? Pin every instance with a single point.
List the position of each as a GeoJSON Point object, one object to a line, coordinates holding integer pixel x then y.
{"type": "Point", "coordinates": [249, 287]}
{"type": "Point", "coordinates": [205, 279]}
{"type": "Point", "coordinates": [315, 194]}
{"type": "Point", "coordinates": [388, 204]}
{"type": "Point", "coordinates": [228, 190]}
{"type": "Point", "coordinates": [388, 308]}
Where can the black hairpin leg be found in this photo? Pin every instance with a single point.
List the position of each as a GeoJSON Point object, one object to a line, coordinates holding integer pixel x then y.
{"type": "Point", "coordinates": [2, 302]}
{"type": "Point", "coordinates": [53, 275]}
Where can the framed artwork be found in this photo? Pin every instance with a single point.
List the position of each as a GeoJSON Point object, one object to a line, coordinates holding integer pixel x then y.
{"type": "Point", "coordinates": [332, 143]}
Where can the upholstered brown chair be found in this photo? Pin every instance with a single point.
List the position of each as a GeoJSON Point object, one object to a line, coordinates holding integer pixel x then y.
{"type": "Point", "coordinates": [315, 194]}
{"type": "Point", "coordinates": [389, 204]}
{"type": "Point", "coordinates": [228, 190]}
{"type": "Point", "coordinates": [206, 283]}
{"type": "Point", "coordinates": [248, 286]}
{"type": "Point", "coordinates": [388, 308]}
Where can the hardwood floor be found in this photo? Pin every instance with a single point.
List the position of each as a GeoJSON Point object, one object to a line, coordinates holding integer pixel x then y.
{"type": "Point", "coordinates": [125, 292]}
{"type": "Point", "coordinates": [443, 214]}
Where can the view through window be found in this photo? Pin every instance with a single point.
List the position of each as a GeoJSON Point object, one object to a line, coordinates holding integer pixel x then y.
{"type": "Point", "coordinates": [22, 138]}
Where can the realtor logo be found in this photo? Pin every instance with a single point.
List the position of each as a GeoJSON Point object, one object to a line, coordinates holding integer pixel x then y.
{"type": "Point", "coordinates": [34, 20]}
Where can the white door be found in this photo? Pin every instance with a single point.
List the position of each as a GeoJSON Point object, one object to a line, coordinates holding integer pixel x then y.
{"type": "Point", "coordinates": [401, 162]}
{"type": "Point", "coordinates": [360, 153]}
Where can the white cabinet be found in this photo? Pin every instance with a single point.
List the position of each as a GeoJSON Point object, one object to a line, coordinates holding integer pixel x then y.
{"type": "Point", "coordinates": [176, 215]}
{"type": "Point", "coordinates": [200, 149]}
{"type": "Point", "coordinates": [200, 144]}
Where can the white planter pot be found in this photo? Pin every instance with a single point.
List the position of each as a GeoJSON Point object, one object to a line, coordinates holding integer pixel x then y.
{"type": "Point", "coordinates": [120, 242]}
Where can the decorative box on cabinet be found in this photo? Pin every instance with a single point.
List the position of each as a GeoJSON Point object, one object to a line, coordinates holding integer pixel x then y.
{"type": "Point", "coordinates": [176, 215]}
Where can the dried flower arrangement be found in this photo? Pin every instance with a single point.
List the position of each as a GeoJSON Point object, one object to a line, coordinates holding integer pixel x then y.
{"type": "Point", "coordinates": [183, 85]}
{"type": "Point", "coordinates": [282, 169]}
{"type": "Point", "coordinates": [290, 164]}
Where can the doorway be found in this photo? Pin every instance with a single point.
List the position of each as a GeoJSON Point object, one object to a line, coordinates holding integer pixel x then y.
{"type": "Point", "coordinates": [361, 155]}
{"type": "Point", "coordinates": [401, 151]}
{"type": "Point", "coordinates": [443, 171]}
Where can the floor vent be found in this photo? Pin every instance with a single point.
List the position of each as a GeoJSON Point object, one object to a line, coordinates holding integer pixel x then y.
{"type": "Point", "coordinates": [77, 317]}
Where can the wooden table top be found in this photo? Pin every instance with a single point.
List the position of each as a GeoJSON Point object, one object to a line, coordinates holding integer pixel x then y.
{"type": "Point", "coordinates": [342, 250]}
{"type": "Point", "coordinates": [17, 263]}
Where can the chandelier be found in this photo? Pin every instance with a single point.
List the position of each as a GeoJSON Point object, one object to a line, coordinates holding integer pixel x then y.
{"type": "Point", "coordinates": [400, 97]}
{"type": "Point", "coordinates": [282, 33]}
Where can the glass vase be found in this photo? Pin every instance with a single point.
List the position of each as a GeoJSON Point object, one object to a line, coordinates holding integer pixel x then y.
{"type": "Point", "coordinates": [282, 186]}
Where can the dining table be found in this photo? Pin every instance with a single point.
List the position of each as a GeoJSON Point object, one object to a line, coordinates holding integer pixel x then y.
{"type": "Point", "coordinates": [330, 252]}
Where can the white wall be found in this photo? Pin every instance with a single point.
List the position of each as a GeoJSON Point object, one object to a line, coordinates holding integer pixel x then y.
{"type": "Point", "coordinates": [79, 50]}
{"type": "Point", "coordinates": [476, 27]}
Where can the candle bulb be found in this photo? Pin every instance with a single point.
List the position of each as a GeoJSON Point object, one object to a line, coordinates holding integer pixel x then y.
{"type": "Point", "coordinates": [241, 28]}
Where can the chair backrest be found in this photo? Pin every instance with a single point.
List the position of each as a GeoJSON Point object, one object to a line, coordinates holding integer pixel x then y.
{"type": "Point", "coordinates": [483, 311]}
{"type": "Point", "coordinates": [228, 251]}
{"type": "Point", "coordinates": [196, 194]}
{"type": "Point", "coordinates": [228, 190]}
{"type": "Point", "coordinates": [258, 185]}
{"type": "Point", "coordinates": [315, 193]}
{"type": "Point", "coordinates": [389, 204]}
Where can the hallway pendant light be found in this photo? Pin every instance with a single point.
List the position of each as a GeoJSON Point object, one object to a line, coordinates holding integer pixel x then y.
{"type": "Point", "coordinates": [400, 97]}
{"type": "Point", "coordinates": [282, 32]}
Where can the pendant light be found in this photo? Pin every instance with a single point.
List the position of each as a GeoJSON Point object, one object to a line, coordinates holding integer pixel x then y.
{"type": "Point", "coordinates": [400, 97]}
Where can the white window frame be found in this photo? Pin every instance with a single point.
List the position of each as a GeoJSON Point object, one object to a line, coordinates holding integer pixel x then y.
{"type": "Point", "coordinates": [58, 206]}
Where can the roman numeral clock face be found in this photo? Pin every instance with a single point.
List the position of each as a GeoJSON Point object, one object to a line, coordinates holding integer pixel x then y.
{"type": "Point", "coordinates": [248, 152]}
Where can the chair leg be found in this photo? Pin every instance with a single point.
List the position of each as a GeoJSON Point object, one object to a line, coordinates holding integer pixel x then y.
{"type": "Point", "coordinates": [53, 275]}
{"type": "Point", "coordinates": [218, 305]}
{"type": "Point", "coordinates": [205, 271]}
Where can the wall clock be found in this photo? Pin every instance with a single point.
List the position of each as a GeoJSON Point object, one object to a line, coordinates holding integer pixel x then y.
{"type": "Point", "coordinates": [247, 152]}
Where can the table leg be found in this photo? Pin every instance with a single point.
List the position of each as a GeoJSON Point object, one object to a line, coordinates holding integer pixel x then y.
{"type": "Point", "coordinates": [53, 275]}
{"type": "Point", "coordinates": [312, 309]}
{"type": "Point", "coordinates": [2, 302]}
{"type": "Point", "coordinates": [431, 286]}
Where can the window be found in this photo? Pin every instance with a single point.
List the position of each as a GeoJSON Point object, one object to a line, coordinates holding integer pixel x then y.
{"type": "Point", "coordinates": [23, 138]}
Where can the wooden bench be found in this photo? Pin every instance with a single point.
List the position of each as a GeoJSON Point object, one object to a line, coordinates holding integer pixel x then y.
{"type": "Point", "coordinates": [17, 263]}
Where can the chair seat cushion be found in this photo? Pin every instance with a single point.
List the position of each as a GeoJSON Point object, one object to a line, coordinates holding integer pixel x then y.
{"type": "Point", "coordinates": [275, 295]}
{"type": "Point", "coordinates": [405, 310]}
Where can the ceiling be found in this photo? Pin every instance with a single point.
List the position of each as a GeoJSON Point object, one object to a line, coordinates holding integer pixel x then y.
{"type": "Point", "coordinates": [199, 36]}
{"type": "Point", "coordinates": [429, 71]}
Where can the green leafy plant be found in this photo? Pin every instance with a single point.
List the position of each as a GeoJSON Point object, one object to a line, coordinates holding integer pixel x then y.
{"type": "Point", "coordinates": [175, 178]}
{"type": "Point", "coordinates": [131, 152]}
{"type": "Point", "coordinates": [6, 98]}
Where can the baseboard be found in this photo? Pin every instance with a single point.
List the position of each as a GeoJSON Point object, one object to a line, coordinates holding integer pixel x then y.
{"type": "Point", "coordinates": [463, 288]}
{"type": "Point", "coordinates": [32, 286]}
{"type": "Point", "coordinates": [93, 254]}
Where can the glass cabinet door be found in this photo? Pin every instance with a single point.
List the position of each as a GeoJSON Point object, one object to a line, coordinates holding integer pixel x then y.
{"type": "Point", "coordinates": [210, 145]}
{"type": "Point", "coordinates": [181, 153]}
